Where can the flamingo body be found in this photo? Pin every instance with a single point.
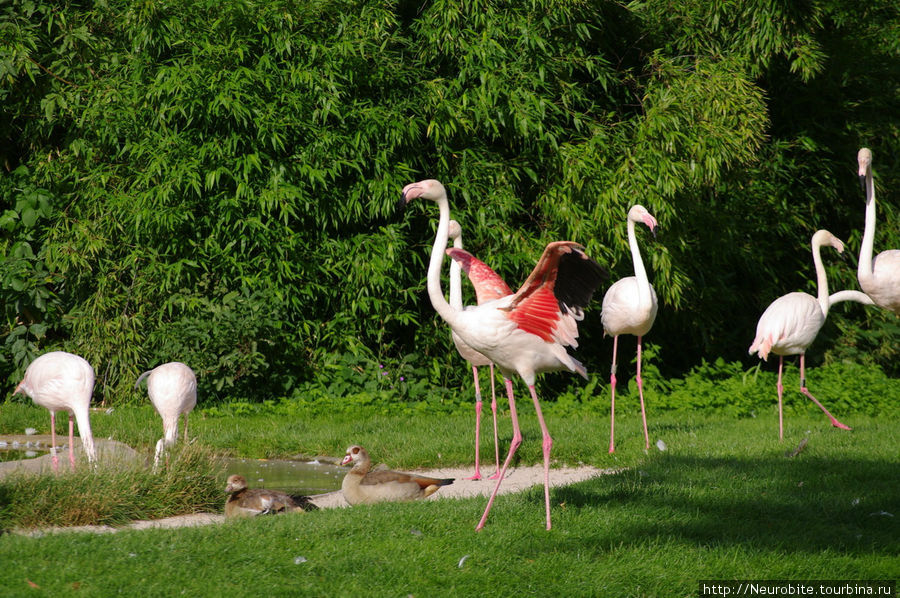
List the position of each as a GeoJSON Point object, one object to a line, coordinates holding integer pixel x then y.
{"type": "Point", "coordinates": [879, 276]}
{"type": "Point", "coordinates": [526, 333]}
{"type": "Point", "coordinates": [629, 307]}
{"type": "Point", "coordinates": [172, 388]}
{"type": "Point", "coordinates": [622, 310]}
{"type": "Point", "coordinates": [60, 381]}
{"type": "Point", "coordinates": [788, 326]}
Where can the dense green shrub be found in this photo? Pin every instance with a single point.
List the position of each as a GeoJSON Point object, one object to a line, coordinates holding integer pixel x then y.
{"type": "Point", "coordinates": [214, 181]}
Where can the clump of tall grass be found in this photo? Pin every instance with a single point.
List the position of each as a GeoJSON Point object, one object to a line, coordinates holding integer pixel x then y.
{"type": "Point", "coordinates": [112, 494]}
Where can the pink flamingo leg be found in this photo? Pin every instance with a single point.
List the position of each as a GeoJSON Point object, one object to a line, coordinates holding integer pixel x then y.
{"type": "Point", "coordinates": [612, 408]}
{"type": "Point", "coordinates": [71, 442]}
{"type": "Point", "coordinates": [478, 404]}
{"type": "Point", "coordinates": [496, 436]}
{"type": "Point", "coordinates": [780, 387]}
{"type": "Point", "coordinates": [53, 458]}
{"type": "Point", "coordinates": [804, 390]}
{"type": "Point", "coordinates": [547, 444]}
{"type": "Point", "coordinates": [516, 441]}
{"type": "Point", "coordinates": [640, 385]}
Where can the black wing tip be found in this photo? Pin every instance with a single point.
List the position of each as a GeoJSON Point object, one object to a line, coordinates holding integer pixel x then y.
{"type": "Point", "coordinates": [578, 277]}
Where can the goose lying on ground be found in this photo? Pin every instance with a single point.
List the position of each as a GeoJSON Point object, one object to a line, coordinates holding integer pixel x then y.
{"type": "Point", "coordinates": [361, 486]}
{"type": "Point", "coordinates": [249, 502]}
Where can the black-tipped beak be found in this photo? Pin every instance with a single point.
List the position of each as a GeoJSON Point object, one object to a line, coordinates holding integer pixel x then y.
{"type": "Point", "coordinates": [402, 203]}
{"type": "Point", "coordinates": [654, 230]}
{"type": "Point", "coordinates": [862, 183]}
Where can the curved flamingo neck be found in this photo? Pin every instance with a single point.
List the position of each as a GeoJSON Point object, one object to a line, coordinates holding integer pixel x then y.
{"type": "Point", "coordinates": [456, 301]}
{"type": "Point", "coordinates": [438, 301]}
{"type": "Point", "coordinates": [821, 278]}
{"type": "Point", "coordinates": [640, 273]}
{"type": "Point", "coordinates": [864, 269]}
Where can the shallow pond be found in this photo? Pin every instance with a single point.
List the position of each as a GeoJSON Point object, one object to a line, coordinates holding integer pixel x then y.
{"type": "Point", "coordinates": [295, 477]}
{"type": "Point", "coordinates": [15, 451]}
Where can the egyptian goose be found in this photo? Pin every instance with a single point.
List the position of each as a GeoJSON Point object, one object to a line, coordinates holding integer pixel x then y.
{"type": "Point", "coordinates": [246, 502]}
{"type": "Point", "coordinates": [361, 486]}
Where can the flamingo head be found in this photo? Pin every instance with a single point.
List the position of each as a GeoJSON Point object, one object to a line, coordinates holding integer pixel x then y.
{"type": "Point", "coordinates": [427, 189]}
{"type": "Point", "coordinates": [823, 237]}
{"type": "Point", "coordinates": [864, 158]}
{"type": "Point", "coordinates": [639, 213]}
{"type": "Point", "coordinates": [354, 455]}
{"type": "Point", "coordinates": [235, 483]}
{"type": "Point", "coordinates": [454, 231]}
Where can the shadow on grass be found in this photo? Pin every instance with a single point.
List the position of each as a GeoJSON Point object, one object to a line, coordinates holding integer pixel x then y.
{"type": "Point", "coordinates": [808, 504]}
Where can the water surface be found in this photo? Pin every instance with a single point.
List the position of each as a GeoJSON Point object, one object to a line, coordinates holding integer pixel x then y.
{"type": "Point", "coordinates": [295, 477]}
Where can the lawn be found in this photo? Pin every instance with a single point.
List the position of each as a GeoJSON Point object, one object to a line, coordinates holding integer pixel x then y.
{"type": "Point", "coordinates": [723, 501]}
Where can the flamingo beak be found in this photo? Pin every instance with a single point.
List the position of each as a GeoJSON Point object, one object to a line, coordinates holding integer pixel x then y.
{"type": "Point", "coordinates": [862, 183]}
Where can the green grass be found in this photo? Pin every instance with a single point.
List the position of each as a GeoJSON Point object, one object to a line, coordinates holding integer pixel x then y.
{"type": "Point", "coordinates": [723, 501]}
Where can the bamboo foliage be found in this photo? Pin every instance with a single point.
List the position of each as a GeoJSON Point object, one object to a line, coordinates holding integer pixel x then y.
{"type": "Point", "coordinates": [215, 181]}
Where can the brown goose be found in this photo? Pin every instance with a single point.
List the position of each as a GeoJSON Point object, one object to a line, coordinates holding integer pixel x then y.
{"type": "Point", "coordinates": [361, 486]}
{"type": "Point", "coordinates": [246, 502]}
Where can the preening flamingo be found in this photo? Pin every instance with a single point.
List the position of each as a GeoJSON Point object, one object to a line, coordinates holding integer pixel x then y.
{"type": "Point", "coordinates": [60, 381]}
{"type": "Point", "coordinates": [629, 307]}
{"type": "Point", "coordinates": [526, 333]}
{"type": "Point", "coordinates": [173, 391]}
{"type": "Point", "coordinates": [878, 277]}
{"type": "Point", "coordinates": [361, 486]}
{"type": "Point", "coordinates": [486, 289]}
{"type": "Point", "coordinates": [790, 324]}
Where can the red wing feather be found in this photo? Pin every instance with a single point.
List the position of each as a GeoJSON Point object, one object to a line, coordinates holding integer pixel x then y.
{"type": "Point", "coordinates": [537, 313]}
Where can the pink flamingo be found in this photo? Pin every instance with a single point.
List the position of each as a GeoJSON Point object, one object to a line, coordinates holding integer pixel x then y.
{"type": "Point", "coordinates": [173, 391]}
{"type": "Point", "coordinates": [629, 307]}
{"type": "Point", "coordinates": [878, 277]}
{"type": "Point", "coordinates": [790, 324]}
{"type": "Point", "coordinates": [60, 381]}
{"type": "Point", "coordinates": [526, 333]}
{"type": "Point", "coordinates": [488, 286]}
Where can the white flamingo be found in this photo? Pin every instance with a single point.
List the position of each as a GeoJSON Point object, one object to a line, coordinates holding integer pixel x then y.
{"type": "Point", "coordinates": [173, 391]}
{"type": "Point", "coordinates": [526, 333]}
{"type": "Point", "coordinates": [629, 307]}
{"type": "Point", "coordinates": [485, 291]}
{"type": "Point", "coordinates": [879, 277]}
{"type": "Point", "coordinates": [790, 324]}
{"type": "Point", "coordinates": [60, 381]}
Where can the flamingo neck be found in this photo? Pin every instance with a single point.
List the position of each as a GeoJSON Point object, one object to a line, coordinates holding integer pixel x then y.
{"type": "Point", "coordinates": [437, 258]}
{"type": "Point", "coordinates": [821, 279]}
{"type": "Point", "coordinates": [456, 279]}
{"type": "Point", "coordinates": [640, 273]}
{"type": "Point", "coordinates": [864, 269]}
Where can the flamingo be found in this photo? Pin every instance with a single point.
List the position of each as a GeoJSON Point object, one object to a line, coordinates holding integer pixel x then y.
{"type": "Point", "coordinates": [790, 324]}
{"type": "Point", "coordinates": [60, 381]}
{"type": "Point", "coordinates": [486, 288]}
{"type": "Point", "coordinates": [173, 391]}
{"type": "Point", "coordinates": [525, 333]}
{"type": "Point", "coordinates": [879, 277]}
{"type": "Point", "coordinates": [629, 307]}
